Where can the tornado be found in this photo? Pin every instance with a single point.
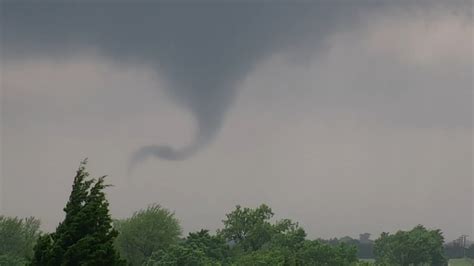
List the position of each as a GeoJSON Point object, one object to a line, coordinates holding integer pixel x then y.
{"type": "Point", "coordinates": [203, 50]}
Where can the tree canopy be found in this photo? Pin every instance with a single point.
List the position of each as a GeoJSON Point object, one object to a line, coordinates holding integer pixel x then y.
{"type": "Point", "coordinates": [199, 248]}
{"type": "Point", "coordinates": [147, 231]}
{"type": "Point", "coordinates": [86, 236]}
{"type": "Point", "coordinates": [282, 242]}
{"type": "Point", "coordinates": [151, 237]}
{"type": "Point", "coordinates": [415, 247]}
{"type": "Point", "coordinates": [17, 239]}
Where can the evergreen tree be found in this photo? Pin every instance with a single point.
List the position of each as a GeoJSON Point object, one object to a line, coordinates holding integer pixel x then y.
{"type": "Point", "coordinates": [86, 236]}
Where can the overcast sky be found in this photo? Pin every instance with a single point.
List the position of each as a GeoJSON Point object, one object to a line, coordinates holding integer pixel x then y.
{"type": "Point", "coordinates": [346, 116]}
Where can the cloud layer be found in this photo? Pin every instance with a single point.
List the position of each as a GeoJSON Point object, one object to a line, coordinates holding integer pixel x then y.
{"type": "Point", "coordinates": [361, 113]}
{"type": "Point", "coordinates": [202, 50]}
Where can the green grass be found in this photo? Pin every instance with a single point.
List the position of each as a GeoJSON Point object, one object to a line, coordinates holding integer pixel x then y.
{"type": "Point", "coordinates": [452, 262]}
{"type": "Point", "coordinates": [461, 262]}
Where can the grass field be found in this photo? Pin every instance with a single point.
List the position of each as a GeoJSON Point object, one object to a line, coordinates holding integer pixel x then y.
{"type": "Point", "coordinates": [453, 262]}
{"type": "Point", "coordinates": [461, 262]}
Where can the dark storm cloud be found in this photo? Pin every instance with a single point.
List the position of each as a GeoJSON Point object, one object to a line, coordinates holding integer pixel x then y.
{"type": "Point", "coordinates": [375, 102]}
{"type": "Point", "coordinates": [202, 50]}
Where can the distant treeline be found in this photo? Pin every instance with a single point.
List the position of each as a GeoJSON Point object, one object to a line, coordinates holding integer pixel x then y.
{"type": "Point", "coordinates": [365, 247]}
{"type": "Point", "coordinates": [249, 236]}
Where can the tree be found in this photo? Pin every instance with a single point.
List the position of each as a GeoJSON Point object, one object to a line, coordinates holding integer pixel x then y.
{"type": "Point", "coordinates": [249, 228]}
{"type": "Point", "coordinates": [264, 257]}
{"type": "Point", "coordinates": [281, 243]}
{"type": "Point", "coordinates": [147, 231]}
{"type": "Point", "coordinates": [454, 250]}
{"type": "Point", "coordinates": [42, 250]}
{"type": "Point", "coordinates": [287, 235]}
{"type": "Point", "coordinates": [317, 253]}
{"type": "Point", "coordinates": [470, 251]}
{"type": "Point", "coordinates": [213, 246]}
{"type": "Point", "coordinates": [86, 236]}
{"type": "Point", "coordinates": [180, 255]}
{"type": "Point", "coordinates": [415, 247]}
{"type": "Point", "coordinates": [17, 239]}
{"type": "Point", "coordinates": [199, 248]}
{"type": "Point", "coordinates": [364, 245]}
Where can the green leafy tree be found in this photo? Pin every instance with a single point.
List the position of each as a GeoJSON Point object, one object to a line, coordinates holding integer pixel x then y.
{"type": "Point", "coordinates": [12, 260]}
{"type": "Point", "coordinates": [260, 242]}
{"type": "Point", "coordinates": [264, 257]}
{"type": "Point", "coordinates": [249, 228]}
{"type": "Point", "coordinates": [213, 246]}
{"type": "Point", "coordinates": [147, 231]}
{"type": "Point", "coordinates": [17, 239]}
{"type": "Point", "coordinates": [86, 236]}
{"type": "Point", "coordinates": [308, 253]}
{"type": "Point", "coordinates": [415, 247]}
{"type": "Point", "coordinates": [199, 248]}
{"type": "Point", "coordinates": [287, 234]}
{"type": "Point", "coordinates": [180, 255]}
{"type": "Point", "coordinates": [317, 253]}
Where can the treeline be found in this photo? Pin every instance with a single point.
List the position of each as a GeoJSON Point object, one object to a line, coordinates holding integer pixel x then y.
{"type": "Point", "coordinates": [152, 236]}
{"type": "Point", "coordinates": [456, 249]}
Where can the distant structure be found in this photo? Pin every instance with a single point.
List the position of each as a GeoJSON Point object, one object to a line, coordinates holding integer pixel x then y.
{"type": "Point", "coordinates": [364, 238]}
{"type": "Point", "coordinates": [462, 241]}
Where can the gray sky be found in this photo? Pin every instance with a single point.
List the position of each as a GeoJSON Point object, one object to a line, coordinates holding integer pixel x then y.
{"type": "Point", "coordinates": [347, 117]}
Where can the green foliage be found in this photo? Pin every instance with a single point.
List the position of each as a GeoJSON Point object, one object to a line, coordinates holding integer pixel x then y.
{"type": "Point", "coordinates": [317, 253]}
{"type": "Point", "coordinates": [262, 257]}
{"type": "Point", "coordinates": [364, 263]}
{"type": "Point", "coordinates": [415, 247]}
{"type": "Point", "coordinates": [86, 236]}
{"type": "Point", "coordinates": [147, 231]}
{"type": "Point", "coordinates": [281, 243]}
{"type": "Point", "coordinates": [17, 239]}
{"type": "Point", "coordinates": [198, 248]}
{"type": "Point", "coordinates": [180, 255]}
{"type": "Point", "coordinates": [151, 237]}
{"type": "Point", "coordinates": [249, 228]}
{"type": "Point", "coordinates": [214, 247]}
{"type": "Point", "coordinates": [307, 253]}
{"type": "Point", "coordinates": [12, 260]}
{"type": "Point", "coordinates": [249, 238]}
